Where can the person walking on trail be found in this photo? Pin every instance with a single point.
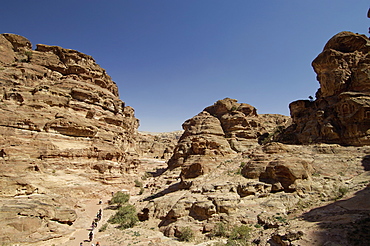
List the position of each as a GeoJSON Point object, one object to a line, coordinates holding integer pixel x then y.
{"type": "Point", "coordinates": [368, 16]}
{"type": "Point", "coordinates": [91, 235]}
{"type": "Point", "coordinates": [81, 244]}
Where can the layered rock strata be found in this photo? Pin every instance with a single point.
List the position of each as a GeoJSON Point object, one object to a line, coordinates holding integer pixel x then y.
{"type": "Point", "coordinates": [341, 112]}
{"type": "Point", "coordinates": [221, 130]}
{"type": "Point", "coordinates": [59, 111]}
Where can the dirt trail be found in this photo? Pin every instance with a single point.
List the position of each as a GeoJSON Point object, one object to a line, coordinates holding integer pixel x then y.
{"type": "Point", "coordinates": [92, 207]}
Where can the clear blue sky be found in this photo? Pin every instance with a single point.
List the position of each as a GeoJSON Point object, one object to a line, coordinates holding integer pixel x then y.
{"type": "Point", "coordinates": [172, 58]}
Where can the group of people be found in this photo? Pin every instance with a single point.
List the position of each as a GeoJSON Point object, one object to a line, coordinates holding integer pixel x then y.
{"type": "Point", "coordinates": [94, 224]}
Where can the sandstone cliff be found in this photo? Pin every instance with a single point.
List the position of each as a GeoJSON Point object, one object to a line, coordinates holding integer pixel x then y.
{"type": "Point", "coordinates": [59, 111]}
{"type": "Point", "coordinates": [340, 113]}
{"type": "Point", "coordinates": [221, 131]}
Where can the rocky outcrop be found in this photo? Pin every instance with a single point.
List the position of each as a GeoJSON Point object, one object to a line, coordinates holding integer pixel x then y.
{"type": "Point", "coordinates": [220, 130]}
{"type": "Point", "coordinates": [59, 110]}
{"type": "Point", "coordinates": [268, 187]}
{"type": "Point", "coordinates": [281, 173]}
{"type": "Point", "coordinates": [157, 145]}
{"type": "Point", "coordinates": [341, 112]}
{"type": "Point", "coordinates": [59, 102]}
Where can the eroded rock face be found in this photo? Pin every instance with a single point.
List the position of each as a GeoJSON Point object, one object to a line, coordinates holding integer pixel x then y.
{"type": "Point", "coordinates": [220, 130]}
{"type": "Point", "coordinates": [281, 173]}
{"type": "Point", "coordinates": [62, 98]}
{"type": "Point", "coordinates": [157, 145]}
{"type": "Point", "coordinates": [59, 110]}
{"type": "Point", "coordinates": [341, 112]}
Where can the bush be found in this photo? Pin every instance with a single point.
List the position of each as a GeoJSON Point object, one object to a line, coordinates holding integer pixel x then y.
{"type": "Point", "coordinates": [141, 191]}
{"type": "Point", "coordinates": [126, 217]}
{"type": "Point", "coordinates": [120, 198]}
{"type": "Point", "coordinates": [187, 234]}
{"type": "Point", "coordinates": [220, 230]}
{"type": "Point", "coordinates": [28, 55]}
{"type": "Point", "coordinates": [138, 183]}
{"type": "Point", "coordinates": [239, 236]}
{"type": "Point", "coordinates": [146, 176]}
{"type": "Point", "coordinates": [342, 191]}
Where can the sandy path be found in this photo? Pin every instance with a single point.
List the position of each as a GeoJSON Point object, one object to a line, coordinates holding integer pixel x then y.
{"type": "Point", "coordinates": [82, 233]}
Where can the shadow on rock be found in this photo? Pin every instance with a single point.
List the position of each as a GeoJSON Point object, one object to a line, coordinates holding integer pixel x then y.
{"type": "Point", "coordinates": [170, 189]}
{"type": "Point", "coordinates": [158, 172]}
{"type": "Point", "coordinates": [366, 162]}
{"type": "Point", "coordinates": [344, 222]}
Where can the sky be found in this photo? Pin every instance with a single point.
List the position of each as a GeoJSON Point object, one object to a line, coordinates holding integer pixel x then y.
{"type": "Point", "coordinates": [172, 58]}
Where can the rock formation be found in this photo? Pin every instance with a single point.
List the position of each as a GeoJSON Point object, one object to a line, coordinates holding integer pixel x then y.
{"type": "Point", "coordinates": [341, 113]}
{"type": "Point", "coordinates": [157, 145]}
{"type": "Point", "coordinates": [228, 169]}
{"type": "Point", "coordinates": [266, 187]}
{"type": "Point", "coordinates": [59, 110]}
{"type": "Point", "coordinates": [218, 132]}
{"type": "Point", "coordinates": [66, 138]}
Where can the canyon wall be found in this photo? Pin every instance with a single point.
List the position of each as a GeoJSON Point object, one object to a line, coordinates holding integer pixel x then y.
{"type": "Point", "coordinates": [60, 115]}
{"type": "Point", "coordinates": [341, 112]}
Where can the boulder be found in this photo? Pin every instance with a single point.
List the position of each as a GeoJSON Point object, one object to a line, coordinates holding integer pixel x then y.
{"type": "Point", "coordinates": [282, 172]}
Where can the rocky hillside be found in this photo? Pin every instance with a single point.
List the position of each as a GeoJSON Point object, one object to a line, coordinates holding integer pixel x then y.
{"type": "Point", "coordinates": [233, 167]}
{"type": "Point", "coordinates": [59, 111]}
{"type": "Point", "coordinates": [234, 177]}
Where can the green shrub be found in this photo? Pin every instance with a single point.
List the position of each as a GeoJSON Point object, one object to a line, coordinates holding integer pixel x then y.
{"type": "Point", "coordinates": [120, 198]}
{"type": "Point", "coordinates": [234, 108]}
{"type": "Point", "coordinates": [187, 234]}
{"type": "Point", "coordinates": [146, 176]}
{"type": "Point", "coordinates": [257, 226]}
{"type": "Point", "coordinates": [239, 236]}
{"type": "Point", "coordinates": [220, 230]}
{"type": "Point", "coordinates": [141, 191]}
{"type": "Point", "coordinates": [280, 219]}
{"type": "Point", "coordinates": [138, 183]}
{"type": "Point", "coordinates": [342, 191]}
{"type": "Point", "coordinates": [28, 55]}
{"type": "Point", "coordinates": [126, 217]}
